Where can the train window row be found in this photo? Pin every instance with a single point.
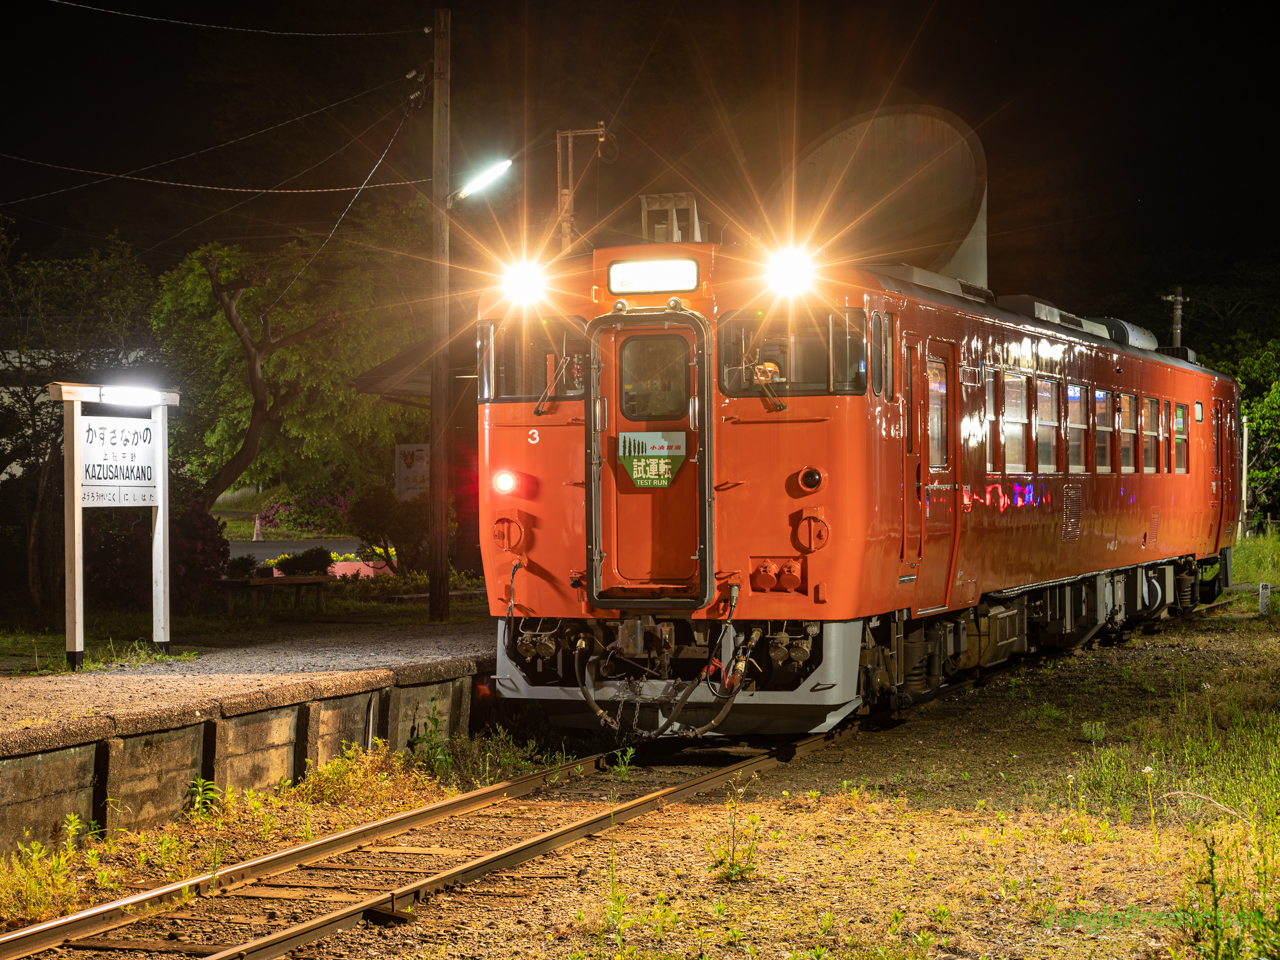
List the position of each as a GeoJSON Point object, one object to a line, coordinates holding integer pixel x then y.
{"type": "Point", "coordinates": [1130, 433]}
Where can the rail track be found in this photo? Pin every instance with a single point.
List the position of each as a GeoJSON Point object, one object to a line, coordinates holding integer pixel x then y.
{"type": "Point", "coordinates": [280, 903]}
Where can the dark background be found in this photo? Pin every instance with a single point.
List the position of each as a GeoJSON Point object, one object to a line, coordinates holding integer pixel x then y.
{"type": "Point", "coordinates": [1126, 143]}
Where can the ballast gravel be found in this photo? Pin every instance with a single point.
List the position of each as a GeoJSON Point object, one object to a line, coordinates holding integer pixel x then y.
{"type": "Point", "coordinates": [230, 666]}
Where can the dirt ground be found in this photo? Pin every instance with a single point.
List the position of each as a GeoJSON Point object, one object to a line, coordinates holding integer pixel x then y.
{"type": "Point", "coordinates": [957, 831]}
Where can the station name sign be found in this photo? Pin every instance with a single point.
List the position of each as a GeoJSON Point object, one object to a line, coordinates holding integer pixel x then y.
{"type": "Point", "coordinates": [118, 457]}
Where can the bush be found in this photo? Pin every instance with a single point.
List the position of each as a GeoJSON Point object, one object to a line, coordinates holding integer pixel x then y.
{"type": "Point", "coordinates": [117, 552]}
{"type": "Point", "coordinates": [310, 512]}
{"type": "Point", "coordinates": [394, 530]}
{"type": "Point", "coordinates": [313, 562]}
{"type": "Point", "coordinates": [242, 567]}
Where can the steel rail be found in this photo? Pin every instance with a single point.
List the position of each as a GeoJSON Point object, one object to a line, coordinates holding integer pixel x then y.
{"type": "Point", "coordinates": [107, 916]}
{"type": "Point", "coordinates": [390, 905]}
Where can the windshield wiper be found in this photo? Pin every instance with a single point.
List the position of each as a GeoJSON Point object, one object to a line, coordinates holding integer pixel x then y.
{"type": "Point", "coordinates": [539, 407]}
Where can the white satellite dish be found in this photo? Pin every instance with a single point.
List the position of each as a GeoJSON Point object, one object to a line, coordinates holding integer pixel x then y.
{"type": "Point", "coordinates": [896, 185]}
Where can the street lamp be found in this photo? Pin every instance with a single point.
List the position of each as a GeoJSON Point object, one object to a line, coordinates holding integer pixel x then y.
{"type": "Point", "coordinates": [480, 182]}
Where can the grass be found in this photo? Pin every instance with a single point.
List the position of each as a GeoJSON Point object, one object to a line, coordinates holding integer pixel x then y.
{"type": "Point", "coordinates": [89, 864]}
{"type": "Point", "coordinates": [1257, 559]}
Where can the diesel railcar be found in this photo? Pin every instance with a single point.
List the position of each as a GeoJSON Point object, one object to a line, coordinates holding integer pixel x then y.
{"type": "Point", "coordinates": [727, 493]}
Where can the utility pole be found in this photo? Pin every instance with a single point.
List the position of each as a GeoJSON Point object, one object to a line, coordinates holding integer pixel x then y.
{"type": "Point", "coordinates": [441, 460]}
{"type": "Point", "coordinates": [1177, 299]}
{"type": "Point", "coordinates": [565, 186]}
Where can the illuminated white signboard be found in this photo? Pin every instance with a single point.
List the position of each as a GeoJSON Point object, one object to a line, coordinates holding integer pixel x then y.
{"type": "Point", "coordinates": [653, 276]}
{"type": "Point", "coordinates": [118, 459]}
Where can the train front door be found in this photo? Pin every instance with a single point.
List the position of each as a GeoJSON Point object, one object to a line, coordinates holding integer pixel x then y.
{"type": "Point", "coordinates": [648, 502]}
{"type": "Point", "coordinates": [936, 386]}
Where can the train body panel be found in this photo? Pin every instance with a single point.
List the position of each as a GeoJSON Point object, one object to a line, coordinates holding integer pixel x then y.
{"type": "Point", "coordinates": [937, 482]}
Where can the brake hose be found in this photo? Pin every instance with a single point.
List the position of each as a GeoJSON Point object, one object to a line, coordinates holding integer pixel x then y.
{"type": "Point", "coordinates": [511, 600]}
{"type": "Point", "coordinates": [728, 625]}
{"type": "Point", "coordinates": [580, 674]}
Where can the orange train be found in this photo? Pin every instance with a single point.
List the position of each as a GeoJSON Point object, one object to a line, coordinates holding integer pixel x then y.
{"type": "Point", "coordinates": [727, 493]}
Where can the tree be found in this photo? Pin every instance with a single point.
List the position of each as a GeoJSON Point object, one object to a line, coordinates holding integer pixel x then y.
{"type": "Point", "coordinates": [265, 348]}
{"type": "Point", "coordinates": [64, 319]}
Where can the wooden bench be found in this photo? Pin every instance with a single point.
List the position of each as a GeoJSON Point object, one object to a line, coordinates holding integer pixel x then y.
{"type": "Point", "coordinates": [254, 584]}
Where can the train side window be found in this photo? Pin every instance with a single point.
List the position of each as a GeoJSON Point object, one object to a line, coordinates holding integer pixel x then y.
{"type": "Point", "coordinates": [908, 392]}
{"type": "Point", "coordinates": [1199, 412]}
{"type": "Point", "coordinates": [1016, 415]}
{"type": "Point", "coordinates": [1217, 440]}
{"type": "Point", "coordinates": [1104, 423]}
{"type": "Point", "coordinates": [877, 354]}
{"type": "Point", "coordinates": [1077, 428]}
{"type": "Point", "coordinates": [849, 351]}
{"type": "Point", "coordinates": [937, 413]}
{"type": "Point", "coordinates": [993, 422]}
{"type": "Point", "coordinates": [1179, 438]}
{"type": "Point", "coordinates": [1166, 432]}
{"type": "Point", "coordinates": [1128, 433]}
{"type": "Point", "coordinates": [521, 357]}
{"type": "Point", "coordinates": [1150, 435]}
{"type": "Point", "coordinates": [1047, 426]}
{"type": "Point", "coordinates": [888, 356]}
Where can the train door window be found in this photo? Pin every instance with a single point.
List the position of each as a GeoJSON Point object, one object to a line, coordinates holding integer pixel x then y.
{"type": "Point", "coordinates": [1046, 426]}
{"type": "Point", "coordinates": [1016, 416]}
{"type": "Point", "coordinates": [993, 422]}
{"type": "Point", "coordinates": [849, 351]}
{"type": "Point", "coordinates": [937, 413]}
{"type": "Point", "coordinates": [889, 349]}
{"type": "Point", "coordinates": [1077, 428]}
{"type": "Point", "coordinates": [877, 354]}
{"type": "Point", "coordinates": [1104, 423]}
{"type": "Point", "coordinates": [1179, 438]}
{"type": "Point", "coordinates": [1128, 433]}
{"type": "Point", "coordinates": [1199, 412]}
{"type": "Point", "coordinates": [1166, 433]}
{"type": "Point", "coordinates": [655, 378]}
{"type": "Point", "coordinates": [1217, 444]}
{"type": "Point", "coordinates": [1150, 435]}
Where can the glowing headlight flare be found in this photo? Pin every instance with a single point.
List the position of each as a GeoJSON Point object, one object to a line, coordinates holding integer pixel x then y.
{"type": "Point", "coordinates": [504, 481]}
{"type": "Point", "coordinates": [524, 283]}
{"type": "Point", "coordinates": [790, 272]}
{"type": "Point", "coordinates": [482, 181]}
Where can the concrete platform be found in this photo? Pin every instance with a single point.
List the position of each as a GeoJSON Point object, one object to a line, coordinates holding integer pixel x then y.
{"type": "Point", "coordinates": [243, 713]}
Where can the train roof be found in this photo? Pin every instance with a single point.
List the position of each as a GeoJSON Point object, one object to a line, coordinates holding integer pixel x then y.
{"type": "Point", "coordinates": [976, 305]}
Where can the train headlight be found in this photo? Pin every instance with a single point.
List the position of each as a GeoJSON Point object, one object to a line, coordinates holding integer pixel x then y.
{"type": "Point", "coordinates": [504, 481]}
{"type": "Point", "coordinates": [524, 283]}
{"type": "Point", "coordinates": [790, 272]}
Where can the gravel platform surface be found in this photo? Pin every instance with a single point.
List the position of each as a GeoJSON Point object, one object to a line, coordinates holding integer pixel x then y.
{"type": "Point", "coordinates": [325, 660]}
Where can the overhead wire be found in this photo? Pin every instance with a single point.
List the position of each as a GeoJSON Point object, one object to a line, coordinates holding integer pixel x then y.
{"type": "Point", "coordinates": [187, 156]}
{"type": "Point", "coordinates": [204, 186]}
{"type": "Point", "coordinates": [215, 26]}
{"type": "Point", "coordinates": [316, 253]}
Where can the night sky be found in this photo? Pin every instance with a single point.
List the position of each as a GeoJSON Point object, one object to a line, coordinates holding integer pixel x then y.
{"type": "Point", "coordinates": [1126, 144]}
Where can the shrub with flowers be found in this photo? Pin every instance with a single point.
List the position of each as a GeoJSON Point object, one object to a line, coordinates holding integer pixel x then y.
{"type": "Point", "coordinates": [324, 514]}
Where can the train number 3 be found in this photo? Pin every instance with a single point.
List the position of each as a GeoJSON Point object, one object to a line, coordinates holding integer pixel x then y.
{"type": "Point", "coordinates": [533, 436]}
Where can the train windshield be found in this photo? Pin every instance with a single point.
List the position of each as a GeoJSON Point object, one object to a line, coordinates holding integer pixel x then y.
{"type": "Point", "coordinates": [520, 357]}
{"type": "Point", "coordinates": [795, 355]}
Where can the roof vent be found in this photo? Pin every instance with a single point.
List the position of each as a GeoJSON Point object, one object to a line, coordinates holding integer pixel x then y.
{"type": "Point", "coordinates": [1041, 309]}
{"type": "Point", "coordinates": [1123, 331]}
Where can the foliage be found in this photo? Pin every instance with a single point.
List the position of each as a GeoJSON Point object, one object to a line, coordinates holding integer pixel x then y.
{"type": "Point", "coordinates": [313, 562]}
{"type": "Point", "coordinates": [734, 853]}
{"type": "Point", "coordinates": [117, 554]}
{"type": "Point", "coordinates": [242, 567]}
{"type": "Point", "coordinates": [394, 530]}
{"type": "Point", "coordinates": [324, 428]}
{"type": "Point", "coordinates": [1231, 909]}
{"type": "Point", "coordinates": [360, 776]}
{"type": "Point", "coordinates": [621, 768]}
{"type": "Point", "coordinates": [313, 513]}
{"type": "Point", "coordinates": [204, 795]}
{"type": "Point", "coordinates": [36, 882]}
{"type": "Point", "coordinates": [61, 319]}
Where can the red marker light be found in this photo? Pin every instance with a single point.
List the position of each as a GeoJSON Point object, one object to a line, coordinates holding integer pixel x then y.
{"type": "Point", "coordinates": [504, 481]}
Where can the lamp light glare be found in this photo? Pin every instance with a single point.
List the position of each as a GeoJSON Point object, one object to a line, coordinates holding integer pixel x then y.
{"type": "Point", "coordinates": [790, 272]}
{"type": "Point", "coordinates": [131, 396]}
{"type": "Point", "coordinates": [524, 283]}
{"type": "Point", "coordinates": [482, 181]}
{"type": "Point", "coordinates": [504, 481]}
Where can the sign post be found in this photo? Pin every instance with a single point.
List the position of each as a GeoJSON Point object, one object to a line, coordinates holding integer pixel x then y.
{"type": "Point", "coordinates": [114, 462]}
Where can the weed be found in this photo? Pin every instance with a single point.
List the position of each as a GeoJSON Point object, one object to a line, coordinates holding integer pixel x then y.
{"type": "Point", "coordinates": [720, 908]}
{"type": "Point", "coordinates": [661, 919]}
{"type": "Point", "coordinates": [733, 855]}
{"type": "Point", "coordinates": [825, 923]}
{"type": "Point", "coordinates": [1093, 731]}
{"type": "Point", "coordinates": [895, 922]}
{"type": "Point", "coordinates": [940, 915]}
{"type": "Point", "coordinates": [36, 882]}
{"type": "Point", "coordinates": [203, 795]}
{"type": "Point", "coordinates": [1231, 909]}
{"type": "Point", "coordinates": [621, 768]}
{"type": "Point", "coordinates": [432, 746]}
